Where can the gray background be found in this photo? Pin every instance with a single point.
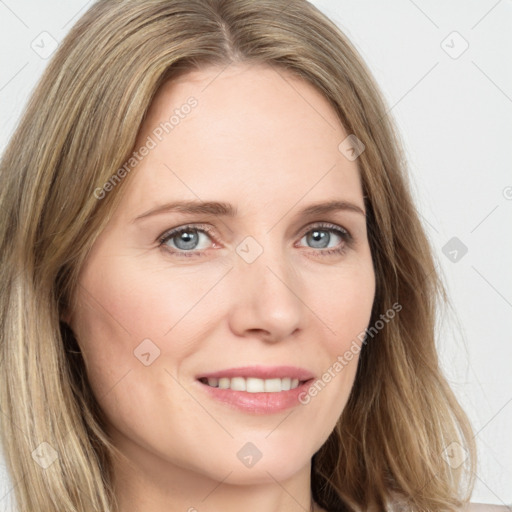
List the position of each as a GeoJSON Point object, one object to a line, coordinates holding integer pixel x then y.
{"type": "Point", "coordinates": [453, 106]}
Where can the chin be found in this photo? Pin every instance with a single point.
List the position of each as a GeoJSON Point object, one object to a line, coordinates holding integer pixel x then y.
{"type": "Point", "coordinates": [268, 464]}
{"type": "Point", "coordinates": [265, 473]}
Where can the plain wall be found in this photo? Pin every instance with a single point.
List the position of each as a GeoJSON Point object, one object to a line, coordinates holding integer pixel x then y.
{"type": "Point", "coordinates": [445, 69]}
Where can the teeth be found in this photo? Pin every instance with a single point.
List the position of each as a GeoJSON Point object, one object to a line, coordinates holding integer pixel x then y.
{"type": "Point", "coordinates": [237, 384]}
{"type": "Point", "coordinates": [286, 384]}
{"type": "Point", "coordinates": [223, 383]}
{"type": "Point", "coordinates": [254, 385]}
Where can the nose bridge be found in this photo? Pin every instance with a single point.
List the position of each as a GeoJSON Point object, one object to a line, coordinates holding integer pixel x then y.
{"type": "Point", "coordinates": [265, 259]}
{"type": "Point", "coordinates": [266, 289]}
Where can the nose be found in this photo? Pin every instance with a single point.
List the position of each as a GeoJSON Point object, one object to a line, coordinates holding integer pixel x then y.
{"type": "Point", "coordinates": [267, 297]}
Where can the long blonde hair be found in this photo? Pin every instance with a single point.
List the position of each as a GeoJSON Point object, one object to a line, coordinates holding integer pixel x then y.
{"type": "Point", "coordinates": [80, 127]}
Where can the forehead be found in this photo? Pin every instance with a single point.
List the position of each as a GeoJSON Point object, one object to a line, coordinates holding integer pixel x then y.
{"type": "Point", "coordinates": [255, 133]}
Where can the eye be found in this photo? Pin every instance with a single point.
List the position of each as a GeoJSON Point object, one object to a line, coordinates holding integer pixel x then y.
{"type": "Point", "coordinates": [185, 240]}
{"type": "Point", "coordinates": [192, 240]}
{"type": "Point", "coordinates": [322, 235]}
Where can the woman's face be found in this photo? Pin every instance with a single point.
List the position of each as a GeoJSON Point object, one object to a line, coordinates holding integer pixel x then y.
{"type": "Point", "coordinates": [256, 286]}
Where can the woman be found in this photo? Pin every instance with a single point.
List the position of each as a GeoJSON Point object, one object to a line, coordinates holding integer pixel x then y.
{"type": "Point", "coordinates": [217, 293]}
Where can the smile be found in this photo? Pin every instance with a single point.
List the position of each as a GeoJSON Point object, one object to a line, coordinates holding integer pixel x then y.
{"type": "Point", "coordinates": [253, 384]}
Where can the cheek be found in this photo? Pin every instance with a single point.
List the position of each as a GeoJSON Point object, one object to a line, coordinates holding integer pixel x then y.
{"type": "Point", "coordinates": [125, 311]}
{"type": "Point", "coordinates": [345, 305]}
{"type": "Point", "coordinates": [343, 302]}
{"type": "Point", "coordinates": [118, 312]}
{"type": "Point", "coordinates": [119, 300]}
{"type": "Point", "coordinates": [152, 299]}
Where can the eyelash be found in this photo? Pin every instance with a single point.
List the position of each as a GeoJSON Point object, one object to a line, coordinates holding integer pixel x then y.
{"type": "Point", "coordinates": [169, 235]}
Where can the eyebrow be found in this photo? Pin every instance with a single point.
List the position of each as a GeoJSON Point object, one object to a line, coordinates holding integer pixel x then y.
{"type": "Point", "coordinates": [222, 209]}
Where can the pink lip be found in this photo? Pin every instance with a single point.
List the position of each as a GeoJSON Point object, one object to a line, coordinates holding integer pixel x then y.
{"type": "Point", "coordinates": [262, 372]}
{"type": "Point", "coordinates": [260, 403]}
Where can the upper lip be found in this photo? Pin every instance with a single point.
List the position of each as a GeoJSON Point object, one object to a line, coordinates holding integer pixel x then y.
{"type": "Point", "coordinates": [261, 372]}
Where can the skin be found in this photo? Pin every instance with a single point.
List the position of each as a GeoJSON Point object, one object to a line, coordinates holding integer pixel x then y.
{"type": "Point", "coordinates": [267, 143]}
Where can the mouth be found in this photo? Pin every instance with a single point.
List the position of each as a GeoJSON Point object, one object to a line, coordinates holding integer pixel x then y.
{"type": "Point", "coordinates": [257, 389]}
{"type": "Point", "coordinates": [253, 384]}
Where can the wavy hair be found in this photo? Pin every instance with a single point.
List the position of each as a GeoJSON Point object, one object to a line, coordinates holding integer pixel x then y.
{"type": "Point", "coordinates": [79, 126]}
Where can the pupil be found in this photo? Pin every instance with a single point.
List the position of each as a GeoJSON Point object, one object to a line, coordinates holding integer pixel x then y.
{"type": "Point", "coordinates": [321, 237]}
{"type": "Point", "coordinates": [187, 240]}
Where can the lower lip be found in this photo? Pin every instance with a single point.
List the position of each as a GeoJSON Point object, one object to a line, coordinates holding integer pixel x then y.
{"type": "Point", "coordinates": [258, 403]}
